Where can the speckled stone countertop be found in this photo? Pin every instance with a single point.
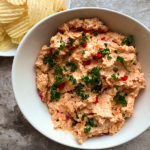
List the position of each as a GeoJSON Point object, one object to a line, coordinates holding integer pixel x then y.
{"type": "Point", "coordinates": [16, 133]}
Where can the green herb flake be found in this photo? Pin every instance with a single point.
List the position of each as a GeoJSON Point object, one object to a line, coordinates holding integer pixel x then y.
{"type": "Point", "coordinates": [90, 122]}
{"type": "Point", "coordinates": [105, 52]}
{"type": "Point", "coordinates": [115, 51]}
{"type": "Point", "coordinates": [77, 117]}
{"type": "Point", "coordinates": [91, 36]}
{"type": "Point", "coordinates": [83, 38]}
{"type": "Point", "coordinates": [59, 79]}
{"type": "Point", "coordinates": [55, 95]}
{"type": "Point", "coordinates": [128, 40]}
{"type": "Point", "coordinates": [95, 34]}
{"type": "Point", "coordinates": [62, 44]}
{"type": "Point", "coordinates": [49, 60]}
{"type": "Point", "coordinates": [105, 44]}
{"type": "Point", "coordinates": [121, 60]}
{"type": "Point", "coordinates": [65, 69]}
{"type": "Point", "coordinates": [123, 114]}
{"type": "Point", "coordinates": [86, 79]}
{"type": "Point", "coordinates": [72, 79]}
{"type": "Point", "coordinates": [81, 93]}
{"type": "Point", "coordinates": [58, 70]}
{"type": "Point", "coordinates": [109, 57]}
{"type": "Point", "coordinates": [97, 89]}
{"type": "Point", "coordinates": [71, 42]}
{"type": "Point", "coordinates": [87, 130]}
{"type": "Point", "coordinates": [83, 116]}
{"type": "Point", "coordinates": [120, 99]}
{"type": "Point", "coordinates": [83, 52]}
{"type": "Point", "coordinates": [114, 77]}
{"type": "Point", "coordinates": [72, 65]}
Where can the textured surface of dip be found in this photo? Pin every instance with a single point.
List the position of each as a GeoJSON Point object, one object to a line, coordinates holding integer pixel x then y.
{"type": "Point", "coordinates": [89, 77]}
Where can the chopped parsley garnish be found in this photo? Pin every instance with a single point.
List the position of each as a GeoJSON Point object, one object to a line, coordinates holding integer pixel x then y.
{"type": "Point", "coordinates": [109, 57]}
{"type": "Point", "coordinates": [96, 75]}
{"type": "Point", "coordinates": [71, 42]}
{"type": "Point", "coordinates": [50, 59]}
{"type": "Point", "coordinates": [95, 34]}
{"type": "Point", "coordinates": [84, 115]}
{"type": "Point", "coordinates": [114, 77]}
{"type": "Point", "coordinates": [65, 69]}
{"type": "Point", "coordinates": [115, 69]}
{"type": "Point", "coordinates": [72, 65]}
{"type": "Point", "coordinates": [58, 70]}
{"type": "Point", "coordinates": [55, 95]}
{"type": "Point", "coordinates": [97, 88]}
{"type": "Point", "coordinates": [115, 51]}
{"type": "Point", "coordinates": [83, 51]}
{"type": "Point", "coordinates": [62, 44]}
{"type": "Point", "coordinates": [90, 122]}
{"type": "Point", "coordinates": [105, 44]}
{"type": "Point", "coordinates": [121, 60]}
{"type": "Point", "coordinates": [83, 39]}
{"type": "Point", "coordinates": [59, 79]}
{"type": "Point", "coordinates": [81, 93]}
{"type": "Point", "coordinates": [86, 79]}
{"type": "Point", "coordinates": [128, 40]}
{"type": "Point", "coordinates": [123, 114]}
{"type": "Point", "coordinates": [80, 85]}
{"type": "Point", "coordinates": [120, 99]}
{"type": "Point", "coordinates": [87, 130]}
{"type": "Point", "coordinates": [91, 36]}
{"type": "Point", "coordinates": [77, 117]}
{"type": "Point", "coordinates": [105, 52]}
{"type": "Point", "coordinates": [72, 79]}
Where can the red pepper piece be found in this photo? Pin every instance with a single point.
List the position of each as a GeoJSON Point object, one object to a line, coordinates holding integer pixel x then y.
{"type": "Point", "coordinates": [84, 44]}
{"type": "Point", "coordinates": [124, 78]}
{"type": "Point", "coordinates": [96, 99]}
{"type": "Point", "coordinates": [41, 96]}
{"type": "Point", "coordinates": [61, 85]}
{"type": "Point", "coordinates": [85, 31]}
{"type": "Point", "coordinates": [98, 56]}
{"type": "Point", "coordinates": [67, 116]}
{"type": "Point", "coordinates": [86, 62]}
{"type": "Point", "coordinates": [103, 38]}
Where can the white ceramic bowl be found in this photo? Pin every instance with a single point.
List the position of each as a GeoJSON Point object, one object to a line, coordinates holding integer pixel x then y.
{"type": "Point", "coordinates": [23, 77]}
{"type": "Point", "coordinates": [13, 50]}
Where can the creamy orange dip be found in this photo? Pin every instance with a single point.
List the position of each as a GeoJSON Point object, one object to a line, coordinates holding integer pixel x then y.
{"type": "Point", "coordinates": [89, 78]}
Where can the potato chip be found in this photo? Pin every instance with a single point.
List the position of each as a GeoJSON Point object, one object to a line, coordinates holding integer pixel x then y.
{"type": "Point", "coordinates": [17, 40]}
{"type": "Point", "coordinates": [58, 5]}
{"type": "Point", "coordinates": [39, 9]}
{"type": "Point", "coordinates": [2, 36]}
{"type": "Point", "coordinates": [9, 13]}
{"type": "Point", "coordinates": [18, 28]}
{"type": "Point", "coordinates": [17, 2]}
{"type": "Point", "coordinates": [6, 44]}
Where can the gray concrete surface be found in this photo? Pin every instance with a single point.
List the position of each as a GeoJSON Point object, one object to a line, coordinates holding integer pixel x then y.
{"type": "Point", "coordinates": [16, 133]}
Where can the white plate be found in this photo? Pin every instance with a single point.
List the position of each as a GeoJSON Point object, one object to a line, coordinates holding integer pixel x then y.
{"type": "Point", "coordinates": [12, 51]}
{"type": "Point", "coordinates": [23, 77]}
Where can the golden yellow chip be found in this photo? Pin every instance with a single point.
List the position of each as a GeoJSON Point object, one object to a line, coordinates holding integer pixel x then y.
{"type": "Point", "coordinates": [17, 2]}
{"type": "Point", "coordinates": [6, 44]}
{"type": "Point", "coordinates": [9, 13]}
{"type": "Point", "coordinates": [39, 9]}
{"type": "Point", "coordinates": [2, 36]}
{"type": "Point", "coordinates": [16, 40]}
{"type": "Point", "coordinates": [18, 28]}
{"type": "Point", "coordinates": [58, 4]}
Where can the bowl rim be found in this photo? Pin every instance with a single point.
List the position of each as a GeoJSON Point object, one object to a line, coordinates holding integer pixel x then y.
{"type": "Point", "coordinates": [18, 51]}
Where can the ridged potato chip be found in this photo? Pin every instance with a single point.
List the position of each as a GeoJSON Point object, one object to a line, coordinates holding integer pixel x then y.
{"type": "Point", "coordinates": [9, 13]}
{"type": "Point", "coordinates": [17, 40]}
{"type": "Point", "coordinates": [39, 9]}
{"type": "Point", "coordinates": [17, 2]}
{"type": "Point", "coordinates": [2, 36]}
{"type": "Point", "coordinates": [18, 28]}
{"type": "Point", "coordinates": [58, 4]}
{"type": "Point", "coordinates": [6, 44]}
